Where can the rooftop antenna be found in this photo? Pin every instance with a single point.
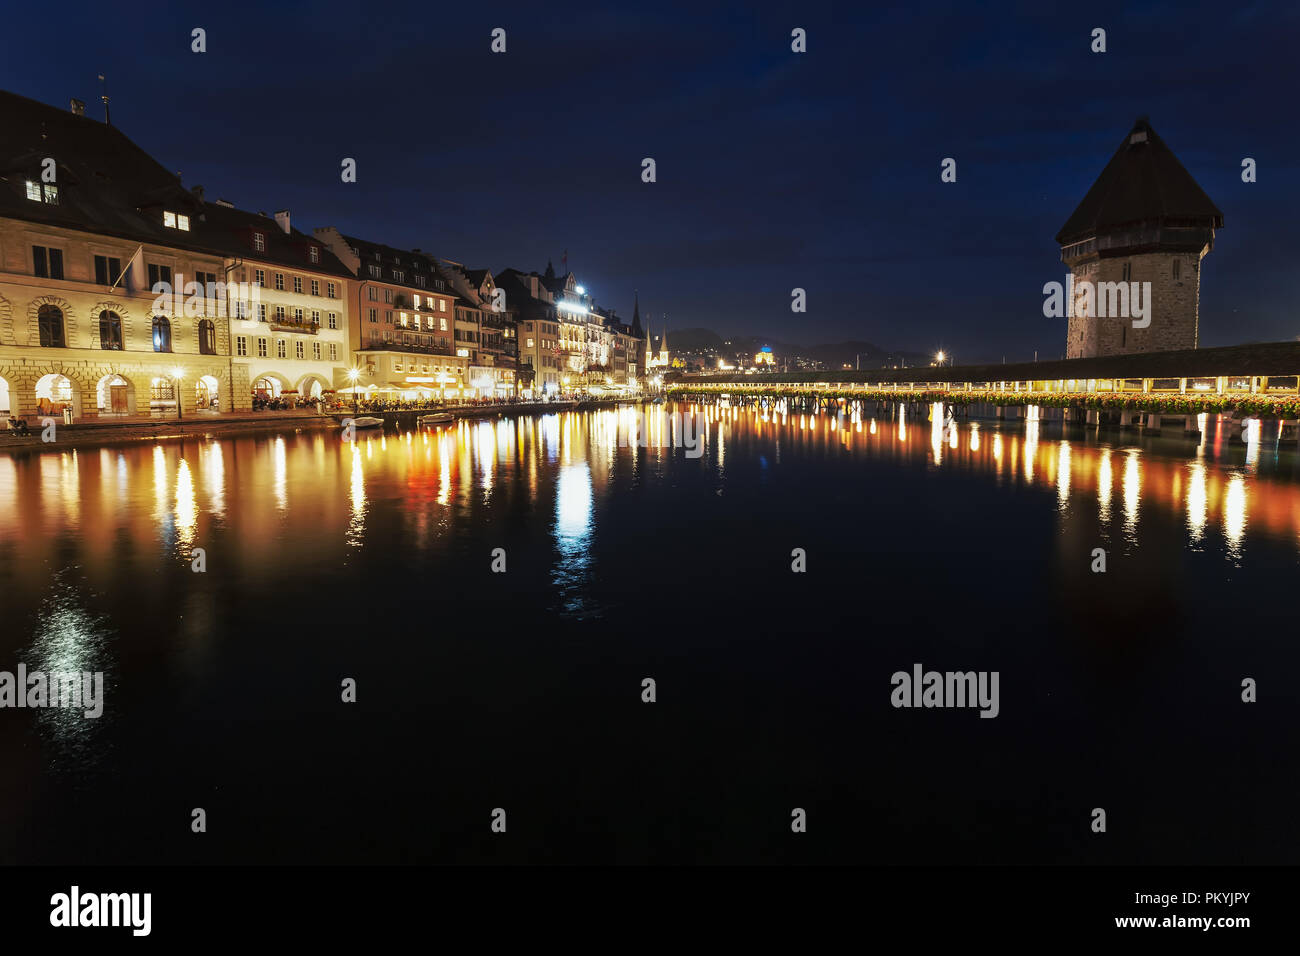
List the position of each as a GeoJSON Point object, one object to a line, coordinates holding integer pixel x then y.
{"type": "Point", "coordinates": [103, 95]}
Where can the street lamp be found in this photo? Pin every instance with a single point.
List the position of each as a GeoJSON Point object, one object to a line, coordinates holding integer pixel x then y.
{"type": "Point", "coordinates": [178, 373]}
{"type": "Point", "coordinates": [353, 375]}
{"type": "Point", "coordinates": [940, 357]}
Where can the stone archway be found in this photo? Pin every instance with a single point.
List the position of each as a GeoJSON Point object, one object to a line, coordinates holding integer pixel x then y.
{"type": "Point", "coordinates": [55, 392]}
{"type": "Point", "coordinates": [312, 386]}
{"type": "Point", "coordinates": [207, 393]}
{"type": "Point", "coordinates": [115, 395]}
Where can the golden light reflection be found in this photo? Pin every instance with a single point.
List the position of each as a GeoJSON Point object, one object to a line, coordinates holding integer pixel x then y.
{"type": "Point", "coordinates": [1197, 501]}
{"type": "Point", "coordinates": [1105, 483]}
{"type": "Point", "coordinates": [1062, 474]}
{"type": "Point", "coordinates": [357, 514]}
{"type": "Point", "coordinates": [187, 509]}
{"type": "Point", "coordinates": [1132, 486]}
{"type": "Point", "coordinates": [1234, 514]}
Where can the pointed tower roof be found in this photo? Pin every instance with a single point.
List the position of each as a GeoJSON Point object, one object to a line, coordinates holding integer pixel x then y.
{"type": "Point", "coordinates": [1143, 184]}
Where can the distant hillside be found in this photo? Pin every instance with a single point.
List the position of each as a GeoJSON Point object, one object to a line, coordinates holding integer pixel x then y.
{"type": "Point", "coordinates": [833, 354]}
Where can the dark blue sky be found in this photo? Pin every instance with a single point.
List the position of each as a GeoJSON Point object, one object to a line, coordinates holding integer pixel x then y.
{"type": "Point", "coordinates": [775, 170]}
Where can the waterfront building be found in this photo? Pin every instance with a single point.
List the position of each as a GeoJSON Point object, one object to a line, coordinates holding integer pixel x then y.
{"type": "Point", "coordinates": [402, 322]}
{"type": "Point", "coordinates": [538, 325]}
{"type": "Point", "coordinates": [89, 223]}
{"type": "Point", "coordinates": [483, 333]}
{"type": "Point", "coordinates": [1145, 220]}
{"type": "Point", "coordinates": [289, 335]}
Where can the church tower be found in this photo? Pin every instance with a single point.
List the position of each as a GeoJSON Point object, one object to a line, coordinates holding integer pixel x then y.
{"type": "Point", "coordinates": [1144, 227]}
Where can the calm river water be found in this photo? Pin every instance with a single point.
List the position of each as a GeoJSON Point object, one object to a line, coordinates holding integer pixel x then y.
{"type": "Point", "coordinates": [522, 690]}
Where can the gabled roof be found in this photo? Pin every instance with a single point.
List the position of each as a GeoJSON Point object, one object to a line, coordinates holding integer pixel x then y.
{"type": "Point", "coordinates": [106, 183]}
{"type": "Point", "coordinates": [231, 231]}
{"type": "Point", "coordinates": [1143, 183]}
{"type": "Point", "coordinates": [408, 261]}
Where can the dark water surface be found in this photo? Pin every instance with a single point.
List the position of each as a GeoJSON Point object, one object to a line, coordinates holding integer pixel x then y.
{"type": "Point", "coordinates": [522, 690]}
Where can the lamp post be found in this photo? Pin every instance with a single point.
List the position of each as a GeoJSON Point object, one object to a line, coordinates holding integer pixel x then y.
{"type": "Point", "coordinates": [178, 373]}
{"type": "Point", "coordinates": [353, 375]}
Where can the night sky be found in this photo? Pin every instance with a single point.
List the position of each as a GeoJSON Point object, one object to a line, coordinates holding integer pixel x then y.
{"type": "Point", "coordinates": [775, 169]}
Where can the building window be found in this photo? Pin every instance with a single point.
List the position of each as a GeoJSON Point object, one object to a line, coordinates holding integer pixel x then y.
{"type": "Point", "coordinates": [207, 337]}
{"type": "Point", "coordinates": [388, 316]}
{"type": "Point", "coordinates": [47, 263]}
{"type": "Point", "coordinates": [1178, 269]}
{"type": "Point", "coordinates": [315, 286]}
{"type": "Point", "coordinates": [331, 290]}
{"type": "Point", "coordinates": [334, 352]}
{"type": "Point", "coordinates": [333, 320]}
{"type": "Point", "coordinates": [442, 307]}
{"type": "Point", "coordinates": [110, 331]}
{"type": "Point", "coordinates": [297, 284]}
{"type": "Point", "coordinates": [107, 270]}
{"type": "Point", "coordinates": [315, 317]}
{"type": "Point", "coordinates": [530, 343]}
{"type": "Point", "coordinates": [444, 325]}
{"type": "Point", "coordinates": [375, 271]}
{"type": "Point", "coordinates": [298, 349]}
{"type": "Point", "coordinates": [315, 351]}
{"type": "Point", "coordinates": [261, 311]}
{"type": "Point", "coordinates": [419, 280]}
{"type": "Point", "coordinates": [183, 223]}
{"type": "Point", "coordinates": [207, 283]}
{"type": "Point", "coordinates": [417, 303]}
{"type": "Point", "coordinates": [47, 192]}
{"type": "Point", "coordinates": [241, 345]}
{"type": "Point", "coordinates": [400, 275]}
{"type": "Point", "coordinates": [162, 334]}
{"type": "Point", "coordinates": [297, 316]}
{"type": "Point", "coordinates": [159, 275]}
{"type": "Point", "coordinates": [241, 309]}
{"type": "Point", "coordinates": [259, 278]}
{"type": "Point", "coordinates": [279, 281]}
{"type": "Point", "coordinates": [372, 293]}
{"type": "Point", "coordinates": [313, 253]}
{"type": "Point", "coordinates": [261, 348]}
{"type": "Point", "coordinates": [259, 242]}
{"type": "Point", "coordinates": [388, 296]}
{"type": "Point", "coordinates": [374, 315]}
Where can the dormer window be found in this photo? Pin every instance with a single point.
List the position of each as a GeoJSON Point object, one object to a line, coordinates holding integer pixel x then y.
{"type": "Point", "coordinates": [176, 221]}
{"type": "Point", "coordinates": [399, 275]}
{"type": "Point", "coordinates": [313, 253]}
{"type": "Point", "coordinates": [259, 241]}
{"type": "Point", "coordinates": [43, 192]}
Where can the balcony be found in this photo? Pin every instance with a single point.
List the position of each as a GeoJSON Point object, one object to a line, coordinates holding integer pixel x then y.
{"type": "Point", "coordinates": [304, 327]}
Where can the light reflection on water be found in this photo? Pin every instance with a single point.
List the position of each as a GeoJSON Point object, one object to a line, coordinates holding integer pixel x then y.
{"type": "Point", "coordinates": [69, 639]}
{"type": "Point", "coordinates": [311, 501]}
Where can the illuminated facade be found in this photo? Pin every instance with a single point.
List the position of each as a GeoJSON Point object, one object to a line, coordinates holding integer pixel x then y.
{"type": "Point", "coordinates": [89, 223]}
{"type": "Point", "coordinates": [402, 322]}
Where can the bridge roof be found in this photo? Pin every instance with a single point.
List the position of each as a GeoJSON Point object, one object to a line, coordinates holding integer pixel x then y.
{"type": "Point", "coordinates": [1265, 358]}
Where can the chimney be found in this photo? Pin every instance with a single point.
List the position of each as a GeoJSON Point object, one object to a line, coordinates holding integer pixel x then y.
{"type": "Point", "coordinates": [198, 192]}
{"type": "Point", "coordinates": [78, 108]}
{"type": "Point", "coordinates": [282, 220]}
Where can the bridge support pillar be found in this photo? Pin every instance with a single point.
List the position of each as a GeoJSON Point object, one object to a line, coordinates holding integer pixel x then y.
{"type": "Point", "coordinates": [1290, 432]}
{"type": "Point", "coordinates": [1093, 417]}
{"type": "Point", "coordinates": [1192, 426]}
